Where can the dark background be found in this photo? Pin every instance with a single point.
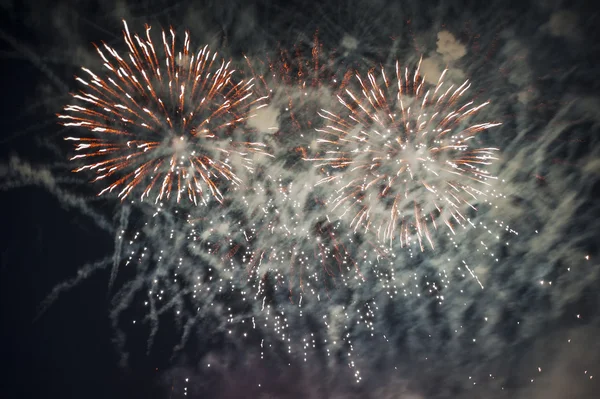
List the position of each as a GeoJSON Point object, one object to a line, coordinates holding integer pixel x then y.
{"type": "Point", "coordinates": [68, 351]}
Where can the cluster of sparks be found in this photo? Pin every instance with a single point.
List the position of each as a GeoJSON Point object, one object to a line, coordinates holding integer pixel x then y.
{"type": "Point", "coordinates": [398, 158]}
{"type": "Point", "coordinates": [401, 159]}
{"type": "Point", "coordinates": [261, 307]}
{"type": "Point", "coordinates": [164, 124]}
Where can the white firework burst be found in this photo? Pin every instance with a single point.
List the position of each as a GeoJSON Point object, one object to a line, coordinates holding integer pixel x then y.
{"type": "Point", "coordinates": [402, 157]}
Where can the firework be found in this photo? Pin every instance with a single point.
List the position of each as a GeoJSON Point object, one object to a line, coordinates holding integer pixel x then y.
{"type": "Point", "coordinates": [164, 121]}
{"type": "Point", "coordinates": [299, 82]}
{"type": "Point", "coordinates": [402, 158]}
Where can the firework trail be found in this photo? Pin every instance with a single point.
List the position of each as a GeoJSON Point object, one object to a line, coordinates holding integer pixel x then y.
{"type": "Point", "coordinates": [164, 125]}
{"type": "Point", "coordinates": [402, 158]}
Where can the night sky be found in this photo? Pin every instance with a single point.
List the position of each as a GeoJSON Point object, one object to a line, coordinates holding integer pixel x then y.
{"type": "Point", "coordinates": [75, 268]}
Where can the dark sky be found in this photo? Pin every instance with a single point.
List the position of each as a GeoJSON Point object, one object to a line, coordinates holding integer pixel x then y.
{"type": "Point", "coordinates": [67, 352]}
{"type": "Point", "coordinates": [535, 60]}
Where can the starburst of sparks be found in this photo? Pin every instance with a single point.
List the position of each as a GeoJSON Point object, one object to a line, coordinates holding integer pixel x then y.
{"type": "Point", "coordinates": [403, 158]}
{"type": "Point", "coordinates": [164, 120]}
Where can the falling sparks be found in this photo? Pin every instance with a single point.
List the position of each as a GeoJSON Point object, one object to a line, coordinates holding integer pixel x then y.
{"type": "Point", "coordinates": [165, 125]}
{"type": "Point", "coordinates": [402, 159]}
{"type": "Point", "coordinates": [229, 285]}
{"type": "Point", "coordinates": [304, 257]}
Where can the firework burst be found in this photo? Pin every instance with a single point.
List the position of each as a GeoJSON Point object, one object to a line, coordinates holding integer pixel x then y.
{"type": "Point", "coordinates": [402, 158]}
{"type": "Point", "coordinates": [164, 121]}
